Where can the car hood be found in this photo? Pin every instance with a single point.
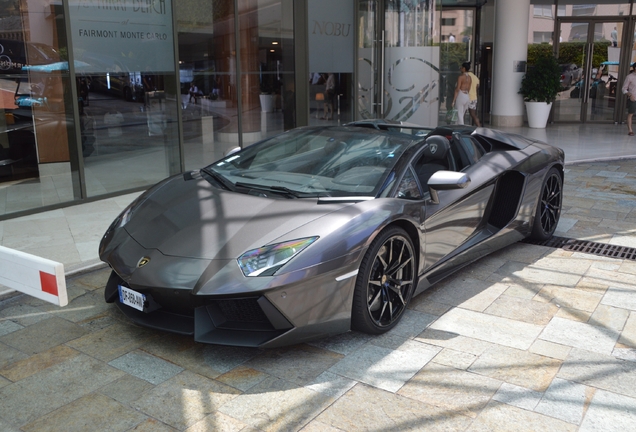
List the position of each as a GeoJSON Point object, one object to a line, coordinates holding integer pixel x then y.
{"type": "Point", "coordinates": [191, 218]}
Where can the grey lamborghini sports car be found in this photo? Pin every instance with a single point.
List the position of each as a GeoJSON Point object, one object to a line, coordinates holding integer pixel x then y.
{"type": "Point", "coordinates": [321, 230]}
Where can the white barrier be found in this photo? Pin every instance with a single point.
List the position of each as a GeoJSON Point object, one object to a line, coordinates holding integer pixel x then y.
{"type": "Point", "coordinates": [32, 275]}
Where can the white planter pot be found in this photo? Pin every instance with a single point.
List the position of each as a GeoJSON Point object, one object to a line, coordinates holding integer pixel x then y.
{"type": "Point", "coordinates": [267, 102]}
{"type": "Point", "coordinates": [538, 113]}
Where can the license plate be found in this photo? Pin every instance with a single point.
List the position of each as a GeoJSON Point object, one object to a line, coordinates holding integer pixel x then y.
{"type": "Point", "coordinates": [131, 298]}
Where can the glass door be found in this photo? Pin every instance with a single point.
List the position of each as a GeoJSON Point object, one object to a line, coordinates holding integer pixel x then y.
{"type": "Point", "coordinates": [397, 61]}
{"type": "Point", "coordinates": [589, 54]}
{"type": "Point", "coordinates": [457, 44]}
{"type": "Point", "coordinates": [331, 51]}
{"type": "Point", "coordinates": [370, 57]}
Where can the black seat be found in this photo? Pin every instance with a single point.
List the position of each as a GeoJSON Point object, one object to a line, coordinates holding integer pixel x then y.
{"type": "Point", "coordinates": [434, 158]}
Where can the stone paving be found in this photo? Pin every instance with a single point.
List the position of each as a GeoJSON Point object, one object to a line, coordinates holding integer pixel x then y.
{"type": "Point", "coordinates": [527, 339]}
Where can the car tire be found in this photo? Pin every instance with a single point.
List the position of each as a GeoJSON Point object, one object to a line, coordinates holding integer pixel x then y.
{"type": "Point", "coordinates": [385, 282]}
{"type": "Point", "coordinates": [548, 210]}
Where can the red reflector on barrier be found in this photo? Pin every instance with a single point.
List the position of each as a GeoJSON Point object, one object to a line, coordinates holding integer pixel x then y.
{"type": "Point", "coordinates": [49, 283]}
{"type": "Point", "coordinates": [33, 275]}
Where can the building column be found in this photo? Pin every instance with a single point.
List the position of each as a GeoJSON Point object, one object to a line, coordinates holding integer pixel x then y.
{"type": "Point", "coordinates": [510, 47]}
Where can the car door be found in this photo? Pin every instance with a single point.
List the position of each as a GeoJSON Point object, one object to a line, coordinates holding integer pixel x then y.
{"type": "Point", "coordinates": [459, 213]}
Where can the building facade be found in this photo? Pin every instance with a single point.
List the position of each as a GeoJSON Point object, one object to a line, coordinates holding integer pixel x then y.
{"type": "Point", "coordinates": [104, 97]}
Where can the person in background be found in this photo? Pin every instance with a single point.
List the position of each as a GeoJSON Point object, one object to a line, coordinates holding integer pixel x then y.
{"type": "Point", "coordinates": [472, 94]}
{"type": "Point", "coordinates": [194, 92]}
{"type": "Point", "coordinates": [597, 90]}
{"type": "Point", "coordinates": [216, 86]}
{"type": "Point", "coordinates": [629, 89]}
{"type": "Point", "coordinates": [330, 92]}
{"type": "Point", "coordinates": [315, 78]}
{"type": "Point", "coordinates": [461, 98]}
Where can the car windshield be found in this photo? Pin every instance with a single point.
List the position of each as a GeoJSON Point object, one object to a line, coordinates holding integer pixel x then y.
{"type": "Point", "coordinates": [316, 162]}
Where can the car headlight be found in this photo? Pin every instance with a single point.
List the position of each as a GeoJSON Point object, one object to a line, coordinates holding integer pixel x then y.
{"type": "Point", "coordinates": [265, 261]}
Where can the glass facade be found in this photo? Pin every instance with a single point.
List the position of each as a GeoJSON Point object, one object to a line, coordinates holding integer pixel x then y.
{"type": "Point", "coordinates": [594, 46]}
{"type": "Point", "coordinates": [398, 72]}
{"type": "Point", "coordinates": [39, 159]}
{"type": "Point", "coordinates": [126, 93]}
{"type": "Point", "coordinates": [331, 40]}
{"type": "Point", "coordinates": [206, 35]}
{"type": "Point", "coordinates": [102, 97]}
{"type": "Point", "coordinates": [456, 39]}
{"type": "Point", "coordinates": [573, 8]}
{"type": "Point", "coordinates": [236, 74]}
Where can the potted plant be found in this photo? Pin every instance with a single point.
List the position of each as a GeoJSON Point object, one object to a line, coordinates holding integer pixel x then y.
{"type": "Point", "coordinates": [539, 88]}
{"type": "Point", "coordinates": [266, 96]}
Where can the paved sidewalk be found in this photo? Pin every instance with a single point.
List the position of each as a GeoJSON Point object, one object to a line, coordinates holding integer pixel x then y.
{"type": "Point", "coordinates": [529, 338]}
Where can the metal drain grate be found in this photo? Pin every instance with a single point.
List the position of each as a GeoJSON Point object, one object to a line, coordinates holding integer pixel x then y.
{"type": "Point", "coordinates": [554, 242]}
{"type": "Point", "coordinates": [584, 246]}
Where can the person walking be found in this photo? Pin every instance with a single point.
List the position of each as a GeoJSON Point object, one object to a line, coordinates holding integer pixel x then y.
{"type": "Point", "coordinates": [194, 92]}
{"type": "Point", "coordinates": [629, 89]}
{"type": "Point", "coordinates": [472, 94]}
{"type": "Point", "coordinates": [330, 91]}
{"type": "Point", "coordinates": [461, 98]}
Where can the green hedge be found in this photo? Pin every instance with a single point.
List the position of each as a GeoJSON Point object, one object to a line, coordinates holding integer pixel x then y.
{"type": "Point", "coordinates": [569, 52]}
{"type": "Point", "coordinates": [452, 55]}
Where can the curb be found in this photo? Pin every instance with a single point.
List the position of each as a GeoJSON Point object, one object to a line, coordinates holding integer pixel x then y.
{"type": "Point", "coordinates": [597, 160]}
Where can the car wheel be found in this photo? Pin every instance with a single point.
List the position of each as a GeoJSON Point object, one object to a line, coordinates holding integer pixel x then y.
{"type": "Point", "coordinates": [385, 283]}
{"type": "Point", "coordinates": [548, 210]}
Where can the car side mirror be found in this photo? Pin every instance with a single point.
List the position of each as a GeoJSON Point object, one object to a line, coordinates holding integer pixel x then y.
{"type": "Point", "coordinates": [446, 180]}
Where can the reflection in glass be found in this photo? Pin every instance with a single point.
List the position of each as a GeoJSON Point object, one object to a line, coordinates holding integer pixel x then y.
{"type": "Point", "coordinates": [572, 54]}
{"type": "Point", "coordinates": [331, 61]}
{"type": "Point", "coordinates": [38, 164]}
{"type": "Point", "coordinates": [575, 9]}
{"type": "Point", "coordinates": [314, 162]}
{"type": "Point", "coordinates": [266, 30]}
{"type": "Point", "coordinates": [211, 90]}
{"type": "Point", "coordinates": [368, 88]}
{"type": "Point", "coordinates": [207, 75]}
{"type": "Point", "coordinates": [127, 97]}
{"type": "Point", "coordinates": [456, 41]}
{"type": "Point", "coordinates": [398, 73]}
{"type": "Point", "coordinates": [589, 89]}
{"type": "Point", "coordinates": [128, 129]}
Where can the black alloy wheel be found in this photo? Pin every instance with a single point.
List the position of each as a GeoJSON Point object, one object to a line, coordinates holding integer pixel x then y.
{"type": "Point", "coordinates": [549, 207]}
{"type": "Point", "coordinates": [385, 283]}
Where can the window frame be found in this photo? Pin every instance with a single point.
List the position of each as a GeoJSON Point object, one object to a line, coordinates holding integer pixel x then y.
{"type": "Point", "coordinates": [466, 157]}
